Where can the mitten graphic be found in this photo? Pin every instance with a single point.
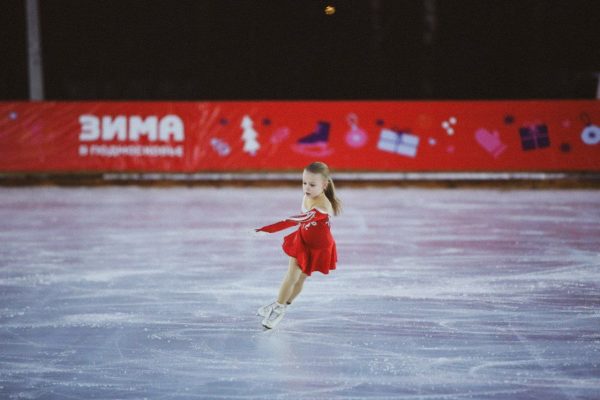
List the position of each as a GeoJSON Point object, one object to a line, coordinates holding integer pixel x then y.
{"type": "Point", "coordinates": [490, 141]}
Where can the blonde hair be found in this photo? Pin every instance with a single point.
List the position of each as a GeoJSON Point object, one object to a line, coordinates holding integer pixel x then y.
{"type": "Point", "coordinates": [322, 168]}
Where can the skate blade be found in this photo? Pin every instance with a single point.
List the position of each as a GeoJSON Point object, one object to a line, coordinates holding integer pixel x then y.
{"type": "Point", "coordinates": [270, 328]}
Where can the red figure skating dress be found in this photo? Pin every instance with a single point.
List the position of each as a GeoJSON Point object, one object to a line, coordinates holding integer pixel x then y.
{"type": "Point", "coordinates": [311, 244]}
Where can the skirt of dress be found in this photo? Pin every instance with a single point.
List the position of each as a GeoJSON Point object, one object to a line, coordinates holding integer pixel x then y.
{"type": "Point", "coordinates": [321, 258]}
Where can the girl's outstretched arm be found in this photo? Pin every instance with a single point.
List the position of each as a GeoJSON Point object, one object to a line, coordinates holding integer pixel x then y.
{"type": "Point", "coordinates": [291, 221]}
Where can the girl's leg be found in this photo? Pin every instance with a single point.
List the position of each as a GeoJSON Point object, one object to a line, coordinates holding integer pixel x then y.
{"type": "Point", "coordinates": [287, 286]}
{"type": "Point", "coordinates": [297, 287]}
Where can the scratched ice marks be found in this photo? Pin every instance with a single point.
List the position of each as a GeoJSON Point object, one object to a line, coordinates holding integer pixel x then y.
{"type": "Point", "coordinates": [136, 293]}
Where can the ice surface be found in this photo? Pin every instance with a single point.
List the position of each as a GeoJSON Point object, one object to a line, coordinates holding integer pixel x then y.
{"type": "Point", "coordinates": [132, 293]}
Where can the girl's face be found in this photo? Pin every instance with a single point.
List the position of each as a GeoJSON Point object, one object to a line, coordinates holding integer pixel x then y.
{"type": "Point", "coordinates": [313, 184]}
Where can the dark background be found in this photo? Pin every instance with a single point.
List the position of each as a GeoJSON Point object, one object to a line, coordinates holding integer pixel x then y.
{"type": "Point", "coordinates": [289, 49]}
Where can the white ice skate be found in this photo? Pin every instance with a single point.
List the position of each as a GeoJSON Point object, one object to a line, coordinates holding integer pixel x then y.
{"type": "Point", "coordinates": [274, 317]}
{"type": "Point", "coordinates": [266, 310]}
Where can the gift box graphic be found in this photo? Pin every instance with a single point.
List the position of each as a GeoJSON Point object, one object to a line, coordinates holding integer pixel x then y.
{"type": "Point", "coordinates": [534, 137]}
{"type": "Point", "coordinates": [401, 143]}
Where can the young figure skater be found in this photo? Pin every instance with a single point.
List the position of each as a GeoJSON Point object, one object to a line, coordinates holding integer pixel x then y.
{"type": "Point", "coordinates": [311, 247]}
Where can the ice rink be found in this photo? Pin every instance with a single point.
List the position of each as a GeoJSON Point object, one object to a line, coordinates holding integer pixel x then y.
{"type": "Point", "coordinates": [133, 293]}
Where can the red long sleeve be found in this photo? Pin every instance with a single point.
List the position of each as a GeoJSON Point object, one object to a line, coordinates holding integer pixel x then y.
{"type": "Point", "coordinates": [277, 226]}
{"type": "Point", "coordinates": [311, 215]}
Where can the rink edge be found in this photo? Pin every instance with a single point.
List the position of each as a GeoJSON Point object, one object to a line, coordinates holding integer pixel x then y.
{"type": "Point", "coordinates": [432, 179]}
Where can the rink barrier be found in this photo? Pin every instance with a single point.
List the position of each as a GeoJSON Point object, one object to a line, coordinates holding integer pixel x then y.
{"type": "Point", "coordinates": [241, 137]}
{"type": "Point", "coordinates": [344, 176]}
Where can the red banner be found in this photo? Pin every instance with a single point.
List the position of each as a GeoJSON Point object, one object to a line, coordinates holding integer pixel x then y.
{"type": "Point", "coordinates": [287, 135]}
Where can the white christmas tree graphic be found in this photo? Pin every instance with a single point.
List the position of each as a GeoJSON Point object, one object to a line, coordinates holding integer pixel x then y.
{"type": "Point", "coordinates": [249, 136]}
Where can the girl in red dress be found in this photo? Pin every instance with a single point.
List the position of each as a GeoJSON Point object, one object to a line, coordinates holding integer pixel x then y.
{"type": "Point", "coordinates": [311, 247]}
